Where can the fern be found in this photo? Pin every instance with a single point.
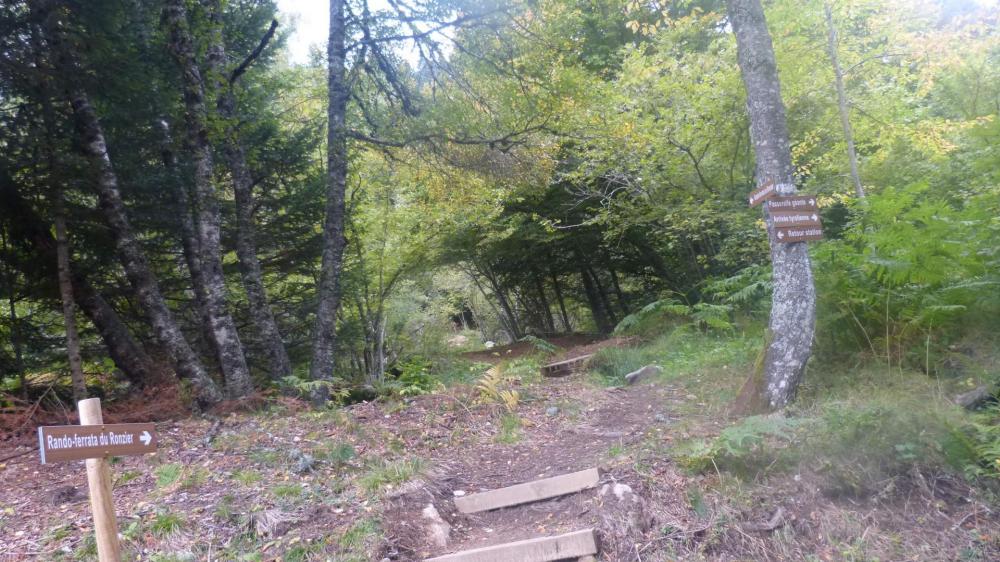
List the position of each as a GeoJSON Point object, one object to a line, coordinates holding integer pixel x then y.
{"type": "Point", "coordinates": [496, 387]}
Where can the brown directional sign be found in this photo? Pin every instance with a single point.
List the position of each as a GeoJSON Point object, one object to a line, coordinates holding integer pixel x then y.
{"type": "Point", "coordinates": [762, 193]}
{"type": "Point", "coordinates": [790, 234]}
{"type": "Point", "coordinates": [792, 203]}
{"type": "Point", "coordinates": [795, 218]}
{"type": "Point", "coordinates": [74, 442]}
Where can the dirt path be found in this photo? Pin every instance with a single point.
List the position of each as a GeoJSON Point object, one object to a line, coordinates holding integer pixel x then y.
{"type": "Point", "coordinates": [592, 428]}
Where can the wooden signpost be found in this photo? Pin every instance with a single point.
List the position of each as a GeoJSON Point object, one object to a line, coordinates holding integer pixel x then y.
{"type": "Point", "coordinates": [795, 217]}
{"type": "Point", "coordinates": [792, 203]}
{"type": "Point", "coordinates": [798, 234]}
{"type": "Point", "coordinates": [762, 193]}
{"type": "Point", "coordinates": [94, 441]}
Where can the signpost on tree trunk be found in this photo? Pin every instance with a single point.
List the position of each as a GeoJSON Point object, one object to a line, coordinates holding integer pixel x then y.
{"type": "Point", "coordinates": [94, 441]}
{"type": "Point", "coordinates": [793, 310]}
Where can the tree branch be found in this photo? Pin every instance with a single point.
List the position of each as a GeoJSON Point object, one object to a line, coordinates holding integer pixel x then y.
{"type": "Point", "coordinates": [255, 54]}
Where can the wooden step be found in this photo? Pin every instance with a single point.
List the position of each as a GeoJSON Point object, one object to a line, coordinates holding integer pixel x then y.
{"type": "Point", "coordinates": [565, 368]}
{"type": "Point", "coordinates": [545, 549]}
{"type": "Point", "coordinates": [529, 491]}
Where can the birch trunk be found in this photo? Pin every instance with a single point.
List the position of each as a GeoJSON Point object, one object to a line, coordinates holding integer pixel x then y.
{"type": "Point", "coordinates": [333, 241]}
{"type": "Point", "coordinates": [227, 340]}
{"type": "Point", "coordinates": [793, 309]}
{"type": "Point", "coordinates": [189, 236]}
{"type": "Point", "coordinates": [68, 304]}
{"type": "Point", "coordinates": [845, 118]}
{"type": "Point", "coordinates": [140, 276]}
{"type": "Point", "coordinates": [246, 231]}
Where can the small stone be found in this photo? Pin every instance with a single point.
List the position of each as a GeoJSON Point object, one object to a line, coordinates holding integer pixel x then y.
{"type": "Point", "coordinates": [438, 530]}
{"type": "Point", "coordinates": [458, 493]}
{"type": "Point", "coordinates": [552, 411]}
{"type": "Point", "coordinates": [643, 373]}
{"type": "Point", "coordinates": [660, 418]}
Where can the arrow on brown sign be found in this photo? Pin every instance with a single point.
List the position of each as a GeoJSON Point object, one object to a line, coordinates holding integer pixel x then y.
{"type": "Point", "coordinates": [789, 234]}
{"type": "Point", "coordinates": [74, 442]}
{"type": "Point", "coordinates": [795, 218]}
{"type": "Point", "coordinates": [763, 192]}
{"type": "Point", "coordinates": [792, 203]}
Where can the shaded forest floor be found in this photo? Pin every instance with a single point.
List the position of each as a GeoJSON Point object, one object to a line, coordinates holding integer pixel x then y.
{"type": "Point", "coordinates": [350, 484]}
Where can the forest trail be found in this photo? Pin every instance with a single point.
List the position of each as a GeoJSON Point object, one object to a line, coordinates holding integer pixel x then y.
{"type": "Point", "coordinates": [591, 427]}
{"type": "Point", "coordinates": [353, 484]}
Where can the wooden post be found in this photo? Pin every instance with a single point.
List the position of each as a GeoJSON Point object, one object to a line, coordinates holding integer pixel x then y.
{"type": "Point", "coordinates": [99, 482]}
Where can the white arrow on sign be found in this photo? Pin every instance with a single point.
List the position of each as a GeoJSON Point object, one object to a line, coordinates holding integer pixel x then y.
{"type": "Point", "coordinates": [145, 437]}
{"type": "Point", "coordinates": [781, 234]}
{"type": "Point", "coordinates": [814, 217]}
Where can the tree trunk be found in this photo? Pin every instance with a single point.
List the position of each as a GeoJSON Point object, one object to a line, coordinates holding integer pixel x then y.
{"type": "Point", "coordinates": [127, 354]}
{"type": "Point", "coordinates": [567, 327]}
{"type": "Point", "coordinates": [596, 305]}
{"type": "Point", "coordinates": [227, 339]}
{"type": "Point", "coordinates": [619, 294]}
{"type": "Point", "coordinates": [141, 277]}
{"type": "Point", "coordinates": [845, 119]}
{"type": "Point", "coordinates": [246, 231]}
{"type": "Point", "coordinates": [68, 304]}
{"type": "Point", "coordinates": [15, 333]}
{"type": "Point", "coordinates": [189, 237]}
{"type": "Point", "coordinates": [603, 294]}
{"type": "Point", "coordinates": [793, 310]}
{"type": "Point", "coordinates": [550, 323]}
{"type": "Point", "coordinates": [333, 240]}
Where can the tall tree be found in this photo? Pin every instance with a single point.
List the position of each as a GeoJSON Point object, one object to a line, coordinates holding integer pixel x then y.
{"type": "Point", "coordinates": [251, 272]}
{"type": "Point", "coordinates": [333, 240]}
{"type": "Point", "coordinates": [232, 360]}
{"type": "Point", "coordinates": [793, 310]}
{"type": "Point", "coordinates": [137, 269]}
{"type": "Point", "coordinates": [845, 118]}
{"type": "Point", "coordinates": [68, 302]}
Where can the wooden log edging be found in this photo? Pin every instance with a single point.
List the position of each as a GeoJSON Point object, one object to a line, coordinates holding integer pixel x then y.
{"type": "Point", "coordinates": [577, 544]}
{"type": "Point", "coordinates": [527, 492]}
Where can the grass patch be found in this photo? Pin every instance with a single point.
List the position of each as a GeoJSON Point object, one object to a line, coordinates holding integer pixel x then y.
{"type": "Point", "coordinates": [166, 523]}
{"type": "Point", "coordinates": [287, 491]}
{"type": "Point", "coordinates": [247, 476]}
{"type": "Point", "coordinates": [358, 541]}
{"type": "Point", "coordinates": [168, 474]}
{"type": "Point", "coordinates": [683, 353]}
{"type": "Point", "coordinates": [383, 474]}
{"type": "Point", "coordinates": [510, 429]}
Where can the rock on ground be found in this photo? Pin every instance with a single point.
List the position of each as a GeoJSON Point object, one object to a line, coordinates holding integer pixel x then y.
{"type": "Point", "coordinates": [643, 374]}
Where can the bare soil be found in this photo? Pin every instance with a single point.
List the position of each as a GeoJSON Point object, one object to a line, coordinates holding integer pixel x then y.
{"type": "Point", "coordinates": [249, 468]}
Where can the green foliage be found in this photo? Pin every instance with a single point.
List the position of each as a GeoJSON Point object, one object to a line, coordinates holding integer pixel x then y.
{"type": "Point", "coordinates": [540, 345]}
{"type": "Point", "coordinates": [306, 388]}
{"type": "Point", "coordinates": [983, 433]}
{"type": "Point", "coordinates": [744, 447]}
{"type": "Point", "coordinates": [415, 378]}
{"type": "Point", "coordinates": [655, 316]}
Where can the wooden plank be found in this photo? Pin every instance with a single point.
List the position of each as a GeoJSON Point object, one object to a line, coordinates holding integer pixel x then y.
{"type": "Point", "coordinates": [564, 368]}
{"type": "Point", "coordinates": [529, 491]}
{"type": "Point", "coordinates": [545, 549]}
